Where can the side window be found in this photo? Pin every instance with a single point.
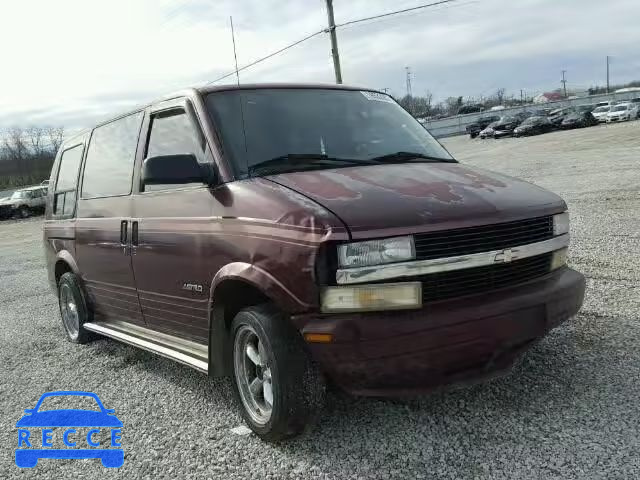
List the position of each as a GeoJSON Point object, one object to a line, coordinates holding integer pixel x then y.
{"type": "Point", "coordinates": [64, 197]}
{"type": "Point", "coordinates": [173, 133]}
{"type": "Point", "coordinates": [110, 157]}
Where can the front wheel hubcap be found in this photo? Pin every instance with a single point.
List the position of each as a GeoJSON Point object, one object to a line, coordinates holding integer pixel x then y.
{"type": "Point", "coordinates": [252, 367]}
{"type": "Point", "coordinates": [69, 311]}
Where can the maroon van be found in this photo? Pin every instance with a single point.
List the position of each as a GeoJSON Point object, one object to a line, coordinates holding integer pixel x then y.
{"type": "Point", "coordinates": [290, 235]}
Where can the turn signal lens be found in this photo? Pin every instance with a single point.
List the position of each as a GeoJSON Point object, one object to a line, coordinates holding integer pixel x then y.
{"type": "Point", "coordinates": [561, 223]}
{"type": "Point", "coordinates": [363, 298]}
{"type": "Point", "coordinates": [318, 337]}
{"type": "Point", "coordinates": [559, 258]}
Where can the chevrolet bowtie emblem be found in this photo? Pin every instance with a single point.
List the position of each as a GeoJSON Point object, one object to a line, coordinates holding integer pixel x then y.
{"type": "Point", "coordinates": [505, 256]}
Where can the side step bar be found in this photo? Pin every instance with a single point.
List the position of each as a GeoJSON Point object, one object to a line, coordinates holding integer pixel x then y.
{"type": "Point", "coordinates": [192, 354]}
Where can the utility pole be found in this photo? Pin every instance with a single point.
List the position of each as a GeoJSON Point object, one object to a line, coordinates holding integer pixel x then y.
{"type": "Point", "coordinates": [408, 70]}
{"type": "Point", "coordinates": [334, 41]}
{"type": "Point", "coordinates": [564, 83]}
{"type": "Point", "coordinates": [607, 73]}
{"type": "Point", "coordinates": [521, 98]}
{"type": "Point", "coordinates": [385, 89]}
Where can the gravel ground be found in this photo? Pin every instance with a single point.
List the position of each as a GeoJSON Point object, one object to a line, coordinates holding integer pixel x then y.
{"type": "Point", "coordinates": [569, 409]}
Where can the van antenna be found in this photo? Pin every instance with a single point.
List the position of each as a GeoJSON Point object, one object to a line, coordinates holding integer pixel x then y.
{"type": "Point", "coordinates": [235, 56]}
{"type": "Point", "coordinates": [244, 131]}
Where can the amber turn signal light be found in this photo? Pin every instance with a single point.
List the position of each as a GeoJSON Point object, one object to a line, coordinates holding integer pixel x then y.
{"type": "Point", "coordinates": [318, 337]}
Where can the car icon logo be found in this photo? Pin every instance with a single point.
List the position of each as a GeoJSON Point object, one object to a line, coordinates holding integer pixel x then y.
{"type": "Point", "coordinates": [74, 429]}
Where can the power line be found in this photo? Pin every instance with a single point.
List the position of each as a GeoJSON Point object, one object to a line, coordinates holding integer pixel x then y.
{"type": "Point", "coordinates": [273, 54]}
{"type": "Point", "coordinates": [396, 12]}
{"type": "Point", "coordinates": [327, 30]}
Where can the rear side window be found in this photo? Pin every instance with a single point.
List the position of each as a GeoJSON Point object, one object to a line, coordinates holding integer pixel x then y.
{"type": "Point", "coordinates": [64, 198]}
{"type": "Point", "coordinates": [110, 158]}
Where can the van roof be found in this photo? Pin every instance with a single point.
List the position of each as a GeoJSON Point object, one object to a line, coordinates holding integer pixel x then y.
{"type": "Point", "coordinates": [252, 86]}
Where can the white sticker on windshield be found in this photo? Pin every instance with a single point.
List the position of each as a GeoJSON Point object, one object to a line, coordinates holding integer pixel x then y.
{"type": "Point", "coordinates": [379, 97]}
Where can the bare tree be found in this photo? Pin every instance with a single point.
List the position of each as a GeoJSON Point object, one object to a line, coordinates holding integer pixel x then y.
{"type": "Point", "coordinates": [35, 135]}
{"type": "Point", "coordinates": [451, 104]}
{"type": "Point", "coordinates": [428, 96]}
{"type": "Point", "coordinates": [55, 135]}
{"type": "Point", "coordinates": [16, 148]}
{"type": "Point", "coordinates": [500, 95]}
{"type": "Point", "coordinates": [26, 155]}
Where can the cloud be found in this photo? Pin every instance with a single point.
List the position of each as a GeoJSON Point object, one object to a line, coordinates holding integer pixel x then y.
{"type": "Point", "coordinates": [71, 62]}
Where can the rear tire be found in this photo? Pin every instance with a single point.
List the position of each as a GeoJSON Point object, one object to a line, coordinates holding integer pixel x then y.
{"type": "Point", "coordinates": [73, 309]}
{"type": "Point", "coordinates": [278, 388]}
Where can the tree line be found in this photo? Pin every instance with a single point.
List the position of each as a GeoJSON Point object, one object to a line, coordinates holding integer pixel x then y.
{"type": "Point", "coordinates": [423, 106]}
{"type": "Point", "coordinates": [27, 154]}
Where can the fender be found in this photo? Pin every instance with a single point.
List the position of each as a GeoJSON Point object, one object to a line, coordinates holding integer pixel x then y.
{"type": "Point", "coordinates": [69, 260]}
{"type": "Point", "coordinates": [65, 256]}
{"type": "Point", "coordinates": [260, 279]}
{"type": "Point", "coordinates": [263, 281]}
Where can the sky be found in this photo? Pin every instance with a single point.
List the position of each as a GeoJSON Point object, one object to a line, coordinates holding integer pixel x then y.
{"type": "Point", "coordinates": [73, 62]}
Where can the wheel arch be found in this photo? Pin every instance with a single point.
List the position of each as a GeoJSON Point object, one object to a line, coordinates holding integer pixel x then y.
{"type": "Point", "coordinates": [236, 286]}
{"type": "Point", "coordinates": [64, 262]}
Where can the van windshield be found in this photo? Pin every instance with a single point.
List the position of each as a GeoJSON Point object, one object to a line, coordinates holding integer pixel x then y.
{"type": "Point", "coordinates": [294, 129]}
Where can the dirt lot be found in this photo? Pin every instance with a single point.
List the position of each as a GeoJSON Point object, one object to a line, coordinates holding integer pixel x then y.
{"type": "Point", "coordinates": [570, 408]}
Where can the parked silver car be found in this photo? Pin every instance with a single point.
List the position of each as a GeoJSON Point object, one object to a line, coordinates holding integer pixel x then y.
{"type": "Point", "coordinates": [24, 202]}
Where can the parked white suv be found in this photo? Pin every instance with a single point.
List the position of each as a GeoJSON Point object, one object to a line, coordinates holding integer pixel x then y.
{"type": "Point", "coordinates": [622, 111]}
{"type": "Point", "coordinates": [24, 202]}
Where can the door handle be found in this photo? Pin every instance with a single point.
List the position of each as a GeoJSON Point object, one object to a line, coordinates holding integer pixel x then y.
{"type": "Point", "coordinates": [134, 233]}
{"type": "Point", "coordinates": [123, 232]}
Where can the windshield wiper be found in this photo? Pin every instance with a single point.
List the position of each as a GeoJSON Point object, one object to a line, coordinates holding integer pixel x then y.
{"type": "Point", "coordinates": [302, 161]}
{"type": "Point", "coordinates": [400, 157]}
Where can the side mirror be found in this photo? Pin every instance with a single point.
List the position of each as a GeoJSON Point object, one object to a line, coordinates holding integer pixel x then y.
{"type": "Point", "coordinates": [176, 169]}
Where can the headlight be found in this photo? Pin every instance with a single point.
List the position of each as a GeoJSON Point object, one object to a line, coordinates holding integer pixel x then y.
{"type": "Point", "coordinates": [559, 258]}
{"type": "Point", "coordinates": [361, 298]}
{"type": "Point", "coordinates": [561, 223]}
{"type": "Point", "coordinates": [376, 252]}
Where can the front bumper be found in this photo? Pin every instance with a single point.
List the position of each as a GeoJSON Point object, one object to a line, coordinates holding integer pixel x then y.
{"type": "Point", "coordinates": [502, 133]}
{"type": "Point", "coordinates": [450, 341]}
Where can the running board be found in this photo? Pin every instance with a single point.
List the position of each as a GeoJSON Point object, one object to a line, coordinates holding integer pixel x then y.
{"type": "Point", "coordinates": [189, 353]}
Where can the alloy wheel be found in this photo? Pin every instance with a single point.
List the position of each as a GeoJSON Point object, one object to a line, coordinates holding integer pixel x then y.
{"type": "Point", "coordinates": [252, 367]}
{"type": "Point", "coordinates": [69, 311]}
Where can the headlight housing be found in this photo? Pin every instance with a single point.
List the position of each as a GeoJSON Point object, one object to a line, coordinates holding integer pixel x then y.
{"type": "Point", "coordinates": [561, 223]}
{"type": "Point", "coordinates": [363, 298]}
{"type": "Point", "coordinates": [376, 252]}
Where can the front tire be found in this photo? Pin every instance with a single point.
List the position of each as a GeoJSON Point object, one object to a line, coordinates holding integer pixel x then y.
{"type": "Point", "coordinates": [73, 309]}
{"type": "Point", "coordinates": [23, 212]}
{"type": "Point", "coordinates": [278, 388]}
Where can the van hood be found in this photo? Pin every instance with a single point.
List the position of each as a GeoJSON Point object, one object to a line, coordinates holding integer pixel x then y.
{"type": "Point", "coordinates": [396, 199]}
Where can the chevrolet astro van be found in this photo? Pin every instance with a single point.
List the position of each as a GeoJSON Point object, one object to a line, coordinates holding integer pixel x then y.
{"type": "Point", "coordinates": [293, 235]}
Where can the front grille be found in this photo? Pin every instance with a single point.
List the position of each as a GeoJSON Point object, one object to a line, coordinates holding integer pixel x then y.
{"type": "Point", "coordinates": [457, 283]}
{"type": "Point", "coordinates": [485, 238]}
